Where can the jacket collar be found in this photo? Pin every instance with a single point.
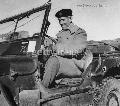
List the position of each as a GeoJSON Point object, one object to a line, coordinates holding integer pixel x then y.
{"type": "Point", "coordinates": [73, 28]}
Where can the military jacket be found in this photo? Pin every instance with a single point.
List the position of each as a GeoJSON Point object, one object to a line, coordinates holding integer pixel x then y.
{"type": "Point", "coordinates": [72, 40]}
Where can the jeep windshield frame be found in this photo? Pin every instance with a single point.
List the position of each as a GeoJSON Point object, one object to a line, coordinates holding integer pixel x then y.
{"type": "Point", "coordinates": [45, 23]}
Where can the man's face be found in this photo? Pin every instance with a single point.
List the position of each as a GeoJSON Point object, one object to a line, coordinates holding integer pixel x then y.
{"type": "Point", "coordinates": [64, 22]}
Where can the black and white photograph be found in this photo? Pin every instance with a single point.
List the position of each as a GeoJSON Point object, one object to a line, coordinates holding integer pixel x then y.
{"type": "Point", "coordinates": [59, 53]}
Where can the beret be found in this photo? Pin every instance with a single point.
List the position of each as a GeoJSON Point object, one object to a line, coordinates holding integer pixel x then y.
{"type": "Point", "coordinates": [64, 13]}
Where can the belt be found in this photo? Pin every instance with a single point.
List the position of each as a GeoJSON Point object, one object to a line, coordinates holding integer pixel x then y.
{"type": "Point", "coordinates": [76, 56]}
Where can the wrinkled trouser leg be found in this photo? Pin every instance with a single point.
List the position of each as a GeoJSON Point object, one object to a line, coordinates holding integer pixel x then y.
{"type": "Point", "coordinates": [51, 69]}
{"type": "Point", "coordinates": [65, 66]}
{"type": "Point", "coordinates": [85, 61]}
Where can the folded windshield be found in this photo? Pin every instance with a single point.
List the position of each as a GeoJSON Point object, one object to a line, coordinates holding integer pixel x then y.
{"type": "Point", "coordinates": [25, 27]}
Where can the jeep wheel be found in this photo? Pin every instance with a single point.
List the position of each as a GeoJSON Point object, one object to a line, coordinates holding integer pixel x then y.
{"type": "Point", "coordinates": [112, 99]}
{"type": "Point", "coordinates": [110, 93]}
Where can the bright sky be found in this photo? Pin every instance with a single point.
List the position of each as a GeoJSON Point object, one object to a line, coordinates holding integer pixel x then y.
{"type": "Point", "coordinates": [100, 18]}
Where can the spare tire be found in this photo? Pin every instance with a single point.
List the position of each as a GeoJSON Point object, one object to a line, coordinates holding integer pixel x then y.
{"type": "Point", "coordinates": [110, 93]}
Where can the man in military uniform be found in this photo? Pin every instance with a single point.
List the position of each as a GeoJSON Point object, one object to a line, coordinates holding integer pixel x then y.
{"type": "Point", "coordinates": [72, 56]}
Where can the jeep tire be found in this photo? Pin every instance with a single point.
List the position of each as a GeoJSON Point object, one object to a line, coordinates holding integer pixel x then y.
{"type": "Point", "coordinates": [110, 93]}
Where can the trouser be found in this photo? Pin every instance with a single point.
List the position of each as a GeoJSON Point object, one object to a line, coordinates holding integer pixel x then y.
{"type": "Point", "coordinates": [57, 65]}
